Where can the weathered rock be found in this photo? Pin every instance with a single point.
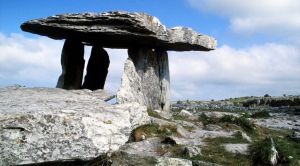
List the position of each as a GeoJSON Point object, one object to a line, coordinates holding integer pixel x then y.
{"type": "Point", "coordinates": [146, 79]}
{"type": "Point", "coordinates": [244, 136]}
{"type": "Point", "coordinates": [148, 147]}
{"type": "Point", "coordinates": [185, 113]}
{"type": "Point", "coordinates": [125, 159]}
{"type": "Point", "coordinates": [120, 30]}
{"type": "Point", "coordinates": [203, 163]}
{"type": "Point", "coordinates": [43, 124]}
{"type": "Point", "coordinates": [97, 69]}
{"type": "Point", "coordinates": [295, 136]}
{"type": "Point", "coordinates": [72, 63]}
{"type": "Point", "coordinates": [213, 127]}
{"type": "Point", "coordinates": [192, 151]}
{"type": "Point", "coordinates": [237, 148]}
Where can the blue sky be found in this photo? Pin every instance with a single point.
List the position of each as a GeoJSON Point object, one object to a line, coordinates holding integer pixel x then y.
{"type": "Point", "coordinates": [258, 45]}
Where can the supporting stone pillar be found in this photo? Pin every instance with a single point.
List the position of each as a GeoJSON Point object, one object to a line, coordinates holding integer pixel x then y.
{"type": "Point", "coordinates": [146, 79]}
{"type": "Point", "coordinates": [72, 62]}
{"type": "Point", "coordinates": [97, 69]}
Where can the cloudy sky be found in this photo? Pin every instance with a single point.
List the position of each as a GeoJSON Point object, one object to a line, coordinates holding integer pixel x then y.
{"type": "Point", "coordinates": [258, 45]}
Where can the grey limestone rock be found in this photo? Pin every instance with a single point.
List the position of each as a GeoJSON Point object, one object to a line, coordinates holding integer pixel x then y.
{"type": "Point", "coordinates": [237, 148]}
{"type": "Point", "coordinates": [146, 79]}
{"type": "Point", "coordinates": [192, 151]}
{"type": "Point", "coordinates": [185, 113]}
{"type": "Point", "coordinates": [120, 30]}
{"type": "Point", "coordinates": [44, 124]}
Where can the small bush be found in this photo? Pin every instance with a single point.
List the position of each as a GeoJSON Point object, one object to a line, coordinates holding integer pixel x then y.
{"type": "Point", "coordinates": [207, 120]}
{"type": "Point", "coordinates": [287, 153]}
{"type": "Point", "coordinates": [153, 113]}
{"type": "Point", "coordinates": [261, 114]}
{"type": "Point", "coordinates": [147, 130]}
{"type": "Point", "coordinates": [246, 124]}
{"type": "Point", "coordinates": [260, 152]}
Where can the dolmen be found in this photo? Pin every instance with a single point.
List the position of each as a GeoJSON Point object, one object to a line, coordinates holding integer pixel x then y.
{"type": "Point", "coordinates": [146, 77]}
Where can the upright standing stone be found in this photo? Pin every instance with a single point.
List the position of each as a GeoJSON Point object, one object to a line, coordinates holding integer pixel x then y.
{"type": "Point", "coordinates": [146, 79]}
{"type": "Point", "coordinates": [97, 69]}
{"type": "Point", "coordinates": [72, 62]}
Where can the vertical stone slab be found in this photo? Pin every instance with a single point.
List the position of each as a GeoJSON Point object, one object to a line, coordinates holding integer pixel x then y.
{"type": "Point", "coordinates": [146, 79]}
{"type": "Point", "coordinates": [164, 79]}
{"type": "Point", "coordinates": [72, 62]}
{"type": "Point", "coordinates": [97, 69]}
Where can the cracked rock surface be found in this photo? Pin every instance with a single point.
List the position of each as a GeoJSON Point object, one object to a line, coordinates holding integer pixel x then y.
{"type": "Point", "coordinates": [120, 29]}
{"type": "Point", "coordinates": [48, 124]}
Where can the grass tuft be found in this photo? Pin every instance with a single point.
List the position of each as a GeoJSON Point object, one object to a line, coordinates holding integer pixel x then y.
{"type": "Point", "coordinates": [260, 152]}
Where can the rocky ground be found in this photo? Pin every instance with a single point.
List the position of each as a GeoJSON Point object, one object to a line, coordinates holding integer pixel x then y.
{"type": "Point", "coordinates": [43, 126]}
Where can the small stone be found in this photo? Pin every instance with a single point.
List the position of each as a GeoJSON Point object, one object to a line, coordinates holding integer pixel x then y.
{"type": "Point", "coordinates": [143, 136]}
{"type": "Point", "coordinates": [192, 151]}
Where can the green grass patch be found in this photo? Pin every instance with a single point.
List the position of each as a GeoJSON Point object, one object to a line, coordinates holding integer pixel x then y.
{"type": "Point", "coordinates": [153, 130]}
{"type": "Point", "coordinates": [207, 120]}
{"type": "Point", "coordinates": [214, 152]}
{"type": "Point", "coordinates": [260, 152]}
{"type": "Point", "coordinates": [241, 121]}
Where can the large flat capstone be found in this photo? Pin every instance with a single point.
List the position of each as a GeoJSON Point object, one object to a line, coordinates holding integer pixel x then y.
{"type": "Point", "coordinates": [48, 124]}
{"type": "Point", "coordinates": [120, 30]}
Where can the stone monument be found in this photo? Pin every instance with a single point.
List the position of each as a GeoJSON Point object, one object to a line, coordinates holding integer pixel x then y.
{"type": "Point", "coordinates": [146, 78]}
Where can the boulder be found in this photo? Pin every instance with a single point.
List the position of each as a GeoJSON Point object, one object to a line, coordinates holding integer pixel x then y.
{"type": "Point", "coordinates": [120, 30]}
{"type": "Point", "coordinates": [44, 124]}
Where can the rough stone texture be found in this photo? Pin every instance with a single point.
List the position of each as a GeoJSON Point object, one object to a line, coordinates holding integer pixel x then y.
{"type": "Point", "coordinates": [213, 127]}
{"type": "Point", "coordinates": [43, 124]}
{"type": "Point", "coordinates": [202, 163]}
{"type": "Point", "coordinates": [97, 69]}
{"type": "Point", "coordinates": [120, 30]}
{"type": "Point", "coordinates": [72, 62]}
{"type": "Point", "coordinates": [146, 79]}
{"type": "Point", "coordinates": [192, 151]}
{"type": "Point", "coordinates": [185, 113]}
{"type": "Point", "coordinates": [237, 148]}
{"type": "Point", "coordinates": [280, 121]}
{"type": "Point", "coordinates": [295, 136]}
{"type": "Point", "coordinates": [146, 147]}
{"type": "Point", "coordinates": [125, 159]}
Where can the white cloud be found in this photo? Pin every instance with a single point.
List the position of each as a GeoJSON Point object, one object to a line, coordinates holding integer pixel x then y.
{"type": "Point", "coordinates": [36, 62]}
{"type": "Point", "coordinates": [226, 72]}
{"type": "Point", "coordinates": [266, 16]}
